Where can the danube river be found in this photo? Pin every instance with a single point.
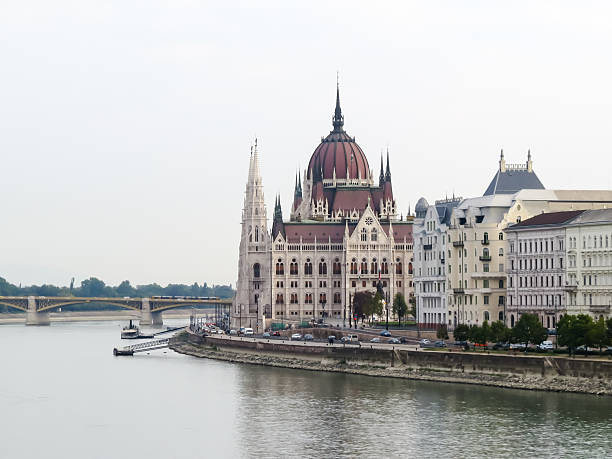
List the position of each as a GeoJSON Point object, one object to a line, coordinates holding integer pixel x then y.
{"type": "Point", "coordinates": [64, 395]}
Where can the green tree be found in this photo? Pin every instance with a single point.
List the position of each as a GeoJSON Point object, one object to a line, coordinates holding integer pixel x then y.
{"type": "Point", "coordinates": [400, 308]}
{"type": "Point", "coordinates": [462, 332]}
{"type": "Point", "coordinates": [573, 330]}
{"type": "Point", "coordinates": [362, 303]}
{"type": "Point", "coordinates": [609, 330]}
{"type": "Point", "coordinates": [597, 336]}
{"type": "Point", "coordinates": [125, 289]}
{"type": "Point", "coordinates": [92, 287]}
{"type": "Point", "coordinates": [376, 306]}
{"type": "Point", "coordinates": [412, 310]}
{"type": "Point", "coordinates": [442, 332]}
{"type": "Point", "coordinates": [499, 332]}
{"type": "Point", "coordinates": [529, 329]}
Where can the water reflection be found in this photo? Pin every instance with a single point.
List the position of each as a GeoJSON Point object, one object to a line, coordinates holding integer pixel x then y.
{"type": "Point", "coordinates": [301, 413]}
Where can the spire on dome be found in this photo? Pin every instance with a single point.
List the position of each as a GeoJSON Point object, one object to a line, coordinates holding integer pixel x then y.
{"type": "Point", "coordinates": [388, 172]}
{"type": "Point", "coordinates": [298, 186]}
{"type": "Point", "coordinates": [338, 119]}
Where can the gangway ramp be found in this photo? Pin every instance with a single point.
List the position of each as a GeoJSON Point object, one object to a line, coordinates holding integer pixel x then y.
{"type": "Point", "coordinates": [142, 347]}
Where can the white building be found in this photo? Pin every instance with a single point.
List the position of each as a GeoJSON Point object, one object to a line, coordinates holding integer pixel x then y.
{"type": "Point", "coordinates": [430, 248]}
{"type": "Point", "coordinates": [344, 235]}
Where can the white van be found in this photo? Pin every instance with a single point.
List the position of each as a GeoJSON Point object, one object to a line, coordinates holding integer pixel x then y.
{"type": "Point", "coordinates": [546, 345]}
{"type": "Point", "coordinates": [248, 332]}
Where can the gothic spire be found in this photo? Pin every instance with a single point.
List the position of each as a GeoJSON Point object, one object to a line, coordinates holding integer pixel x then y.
{"type": "Point", "coordinates": [338, 119]}
{"type": "Point", "coordinates": [381, 179]}
{"type": "Point", "coordinates": [388, 172]}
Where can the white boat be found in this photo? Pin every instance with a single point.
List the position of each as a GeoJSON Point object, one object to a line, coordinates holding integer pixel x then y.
{"type": "Point", "coordinates": [130, 332]}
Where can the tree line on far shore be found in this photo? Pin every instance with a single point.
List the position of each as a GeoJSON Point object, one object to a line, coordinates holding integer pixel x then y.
{"type": "Point", "coordinates": [94, 287]}
{"type": "Point", "coordinates": [573, 331]}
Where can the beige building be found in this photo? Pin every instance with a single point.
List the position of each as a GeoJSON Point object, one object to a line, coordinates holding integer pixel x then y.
{"type": "Point", "coordinates": [477, 251]}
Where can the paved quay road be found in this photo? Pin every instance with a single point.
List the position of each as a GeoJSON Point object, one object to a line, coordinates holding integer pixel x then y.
{"type": "Point", "coordinates": [317, 343]}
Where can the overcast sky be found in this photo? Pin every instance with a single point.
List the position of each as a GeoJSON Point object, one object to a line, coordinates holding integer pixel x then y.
{"type": "Point", "coordinates": [125, 127]}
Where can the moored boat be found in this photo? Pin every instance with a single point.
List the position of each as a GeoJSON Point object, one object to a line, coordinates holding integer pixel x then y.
{"type": "Point", "coordinates": [130, 332]}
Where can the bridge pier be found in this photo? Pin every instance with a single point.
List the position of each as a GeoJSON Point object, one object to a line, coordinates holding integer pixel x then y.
{"type": "Point", "coordinates": [33, 317]}
{"type": "Point", "coordinates": [148, 318]}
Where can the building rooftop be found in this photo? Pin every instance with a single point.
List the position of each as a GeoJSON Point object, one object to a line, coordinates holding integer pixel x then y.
{"type": "Point", "coordinates": [548, 219]}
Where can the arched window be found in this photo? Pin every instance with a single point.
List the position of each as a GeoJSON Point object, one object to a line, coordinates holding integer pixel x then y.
{"type": "Point", "coordinates": [374, 269]}
{"type": "Point", "coordinates": [501, 236]}
{"type": "Point", "coordinates": [500, 316]}
{"type": "Point", "coordinates": [409, 268]}
{"type": "Point", "coordinates": [374, 235]}
{"type": "Point", "coordinates": [280, 267]}
{"type": "Point", "coordinates": [364, 235]}
{"type": "Point", "coordinates": [384, 267]}
{"type": "Point", "coordinates": [256, 270]}
{"type": "Point", "coordinates": [501, 251]}
{"type": "Point", "coordinates": [293, 267]}
{"type": "Point", "coordinates": [337, 298]}
{"type": "Point", "coordinates": [398, 266]}
{"type": "Point", "coordinates": [486, 316]}
{"type": "Point", "coordinates": [279, 298]}
{"type": "Point", "coordinates": [308, 267]}
{"type": "Point", "coordinates": [512, 320]}
{"type": "Point", "coordinates": [337, 267]}
{"type": "Point", "coordinates": [485, 252]}
{"type": "Point", "coordinates": [364, 266]}
{"type": "Point", "coordinates": [257, 234]}
{"type": "Point", "coordinates": [322, 268]}
{"type": "Point", "coordinates": [354, 266]}
{"type": "Point", "coordinates": [485, 237]}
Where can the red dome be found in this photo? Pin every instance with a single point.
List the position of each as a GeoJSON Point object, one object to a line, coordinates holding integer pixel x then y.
{"type": "Point", "coordinates": [338, 150]}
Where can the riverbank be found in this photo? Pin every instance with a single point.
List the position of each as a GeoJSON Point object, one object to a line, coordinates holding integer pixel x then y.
{"type": "Point", "coordinates": [89, 316]}
{"type": "Point", "coordinates": [513, 372]}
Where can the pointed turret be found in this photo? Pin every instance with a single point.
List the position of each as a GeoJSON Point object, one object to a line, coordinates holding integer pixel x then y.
{"type": "Point", "coordinates": [381, 178]}
{"type": "Point", "coordinates": [338, 119]}
{"type": "Point", "coordinates": [277, 223]}
{"type": "Point", "coordinates": [388, 171]}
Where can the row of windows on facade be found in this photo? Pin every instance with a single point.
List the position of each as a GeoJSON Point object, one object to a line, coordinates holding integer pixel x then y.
{"type": "Point", "coordinates": [485, 237]}
{"type": "Point", "coordinates": [256, 234]}
{"type": "Point", "coordinates": [473, 299]}
{"type": "Point", "coordinates": [293, 298]}
{"type": "Point", "coordinates": [469, 315]}
{"type": "Point", "coordinates": [485, 268]}
{"type": "Point", "coordinates": [485, 283]}
{"type": "Point", "coordinates": [536, 300]}
{"type": "Point", "coordinates": [591, 299]}
{"type": "Point", "coordinates": [485, 252]}
{"type": "Point", "coordinates": [542, 244]}
{"type": "Point", "coordinates": [537, 281]}
{"type": "Point", "coordinates": [307, 284]}
{"type": "Point", "coordinates": [355, 268]}
{"type": "Point", "coordinates": [544, 263]}
{"type": "Point", "coordinates": [590, 261]}
{"type": "Point", "coordinates": [590, 242]}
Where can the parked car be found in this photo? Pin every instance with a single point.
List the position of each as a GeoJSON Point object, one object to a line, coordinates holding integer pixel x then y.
{"type": "Point", "coordinates": [460, 343]}
{"type": "Point", "coordinates": [233, 332]}
{"type": "Point", "coordinates": [501, 346]}
{"type": "Point", "coordinates": [265, 335]}
{"type": "Point", "coordinates": [546, 346]}
{"type": "Point", "coordinates": [296, 337]}
{"type": "Point", "coordinates": [394, 341]}
{"type": "Point", "coordinates": [424, 341]}
{"type": "Point", "coordinates": [248, 332]}
{"type": "Point", "coordinates": [350, 339]}
{"type": "Point", "coordinates": [276, 333]}
{"type": "Point", "coordinates": [331, 339]}
{"type": "Point", "coordinates": [375, 340]}
{"type": "Point", "coordinates": [241, 331]}
{"type": "Point", "coordinates": [403, 340]}
{"type": "Point", "coordinates": [385, 333]}
{"type": "Point", "coordinates": [439, 344]}
{"type": "Point", "coordinates": [308, 337]}
{"type": "Point", "coordinates": [520, 346]}
{"type": "Point", "coordinates": [552, 331]}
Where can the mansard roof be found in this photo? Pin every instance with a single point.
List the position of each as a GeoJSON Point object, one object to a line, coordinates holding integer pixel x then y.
{"type": "Point", "coordinates": [547, 219]}
{"type": "Point", "coordinates": [511, 181]}
{"type": "Point", "coordinates": [308, 231]}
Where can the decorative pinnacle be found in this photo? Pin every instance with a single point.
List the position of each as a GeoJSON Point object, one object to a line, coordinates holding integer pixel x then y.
{"type": "Point", "coordinates": [388, 172]}
{"type": "Point", "coordinates": [338, 120]}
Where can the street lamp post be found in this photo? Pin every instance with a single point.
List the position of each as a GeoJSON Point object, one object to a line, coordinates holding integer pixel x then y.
{"type": "Point", "coordinates": [387, 307]}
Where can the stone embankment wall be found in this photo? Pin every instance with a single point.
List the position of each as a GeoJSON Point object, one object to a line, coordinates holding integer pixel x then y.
{"type": "Point", "coordinates": [524, 372]}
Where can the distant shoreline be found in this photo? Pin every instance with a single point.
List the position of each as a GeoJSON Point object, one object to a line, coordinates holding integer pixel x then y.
{"type": "Point", "coordinates": [87, 316]}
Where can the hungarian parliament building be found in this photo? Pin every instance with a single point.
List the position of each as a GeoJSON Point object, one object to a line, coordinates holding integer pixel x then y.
{"type": "Point", "coordinates": [344, 235]}
{"type": "Point", "coordinates": [455, 260]}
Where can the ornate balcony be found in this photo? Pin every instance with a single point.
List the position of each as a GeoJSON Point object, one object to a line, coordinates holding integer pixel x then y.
{"type": "Point", "coordinates": [485, 258]}
{"type": "Point", "coordinates": [485, 242]}
{"type": "Point", "coordinates": [426, 246]}
{"type": "Point", "coordinates": [458, 290]}
{"type": "Point", "coordinates": [457, 243]}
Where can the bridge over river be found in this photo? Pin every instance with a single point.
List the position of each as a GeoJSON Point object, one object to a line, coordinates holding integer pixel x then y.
{"type": "Point", "coordinates": [37, 308]}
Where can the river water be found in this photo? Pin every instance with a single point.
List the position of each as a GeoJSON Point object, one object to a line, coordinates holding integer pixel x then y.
{"type": "Point", "coordinates": [64, 395]}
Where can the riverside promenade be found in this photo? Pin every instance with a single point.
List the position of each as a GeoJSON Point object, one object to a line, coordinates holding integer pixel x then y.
{"type": "Point", "coordinates": [532, 372]}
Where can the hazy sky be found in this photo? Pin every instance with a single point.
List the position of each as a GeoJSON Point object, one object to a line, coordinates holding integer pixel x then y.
{"type": "Point", "coordinates": [125, 126]}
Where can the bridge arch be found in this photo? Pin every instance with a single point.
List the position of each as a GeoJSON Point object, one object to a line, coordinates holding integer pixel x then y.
{"type": "Point", "coordinates": [17, 306]}
{"type": "Point", "coordinates": [123, 305]}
